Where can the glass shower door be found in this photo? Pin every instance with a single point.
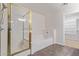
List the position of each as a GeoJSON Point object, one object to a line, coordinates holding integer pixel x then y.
{"type": "Point", "coordinates": [19, 29]}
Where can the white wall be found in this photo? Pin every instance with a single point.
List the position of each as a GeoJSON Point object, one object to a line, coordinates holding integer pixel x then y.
{"type": "Point", "coordinates": [40, 39]}
{"type": "Point", "coordinates": [59, 27]}
{"type": "Point", "coordinates": [55, 26]}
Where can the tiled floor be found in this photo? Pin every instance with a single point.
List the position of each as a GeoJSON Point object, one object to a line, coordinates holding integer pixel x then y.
{"type": "Point", "coordinates": [57, 50]}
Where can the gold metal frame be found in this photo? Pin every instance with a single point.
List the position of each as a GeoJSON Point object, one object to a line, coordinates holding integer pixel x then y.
{"type": "Point", "coordinates": [9, 31]}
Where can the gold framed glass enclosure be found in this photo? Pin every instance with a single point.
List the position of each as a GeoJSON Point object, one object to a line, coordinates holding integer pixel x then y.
{"type": "Point", "coordinates": [19, 29]}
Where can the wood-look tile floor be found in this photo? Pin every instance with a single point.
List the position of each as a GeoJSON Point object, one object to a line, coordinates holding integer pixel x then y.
{"type": "Point", "coordinates": [57, 50]}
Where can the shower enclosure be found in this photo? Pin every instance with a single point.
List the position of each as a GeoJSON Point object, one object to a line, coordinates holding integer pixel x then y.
{"type": "Point", "coordinates": [19, 28]}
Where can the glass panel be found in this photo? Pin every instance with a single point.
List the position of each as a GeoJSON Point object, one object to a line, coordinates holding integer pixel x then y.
{"type": "Point", "coordinates": [19, 28]}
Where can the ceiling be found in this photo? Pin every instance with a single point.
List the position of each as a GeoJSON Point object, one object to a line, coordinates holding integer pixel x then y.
{"type": "Point", "coordinates": [44, 8]}
{"type": "Point", "coordinates": [49, 8]}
